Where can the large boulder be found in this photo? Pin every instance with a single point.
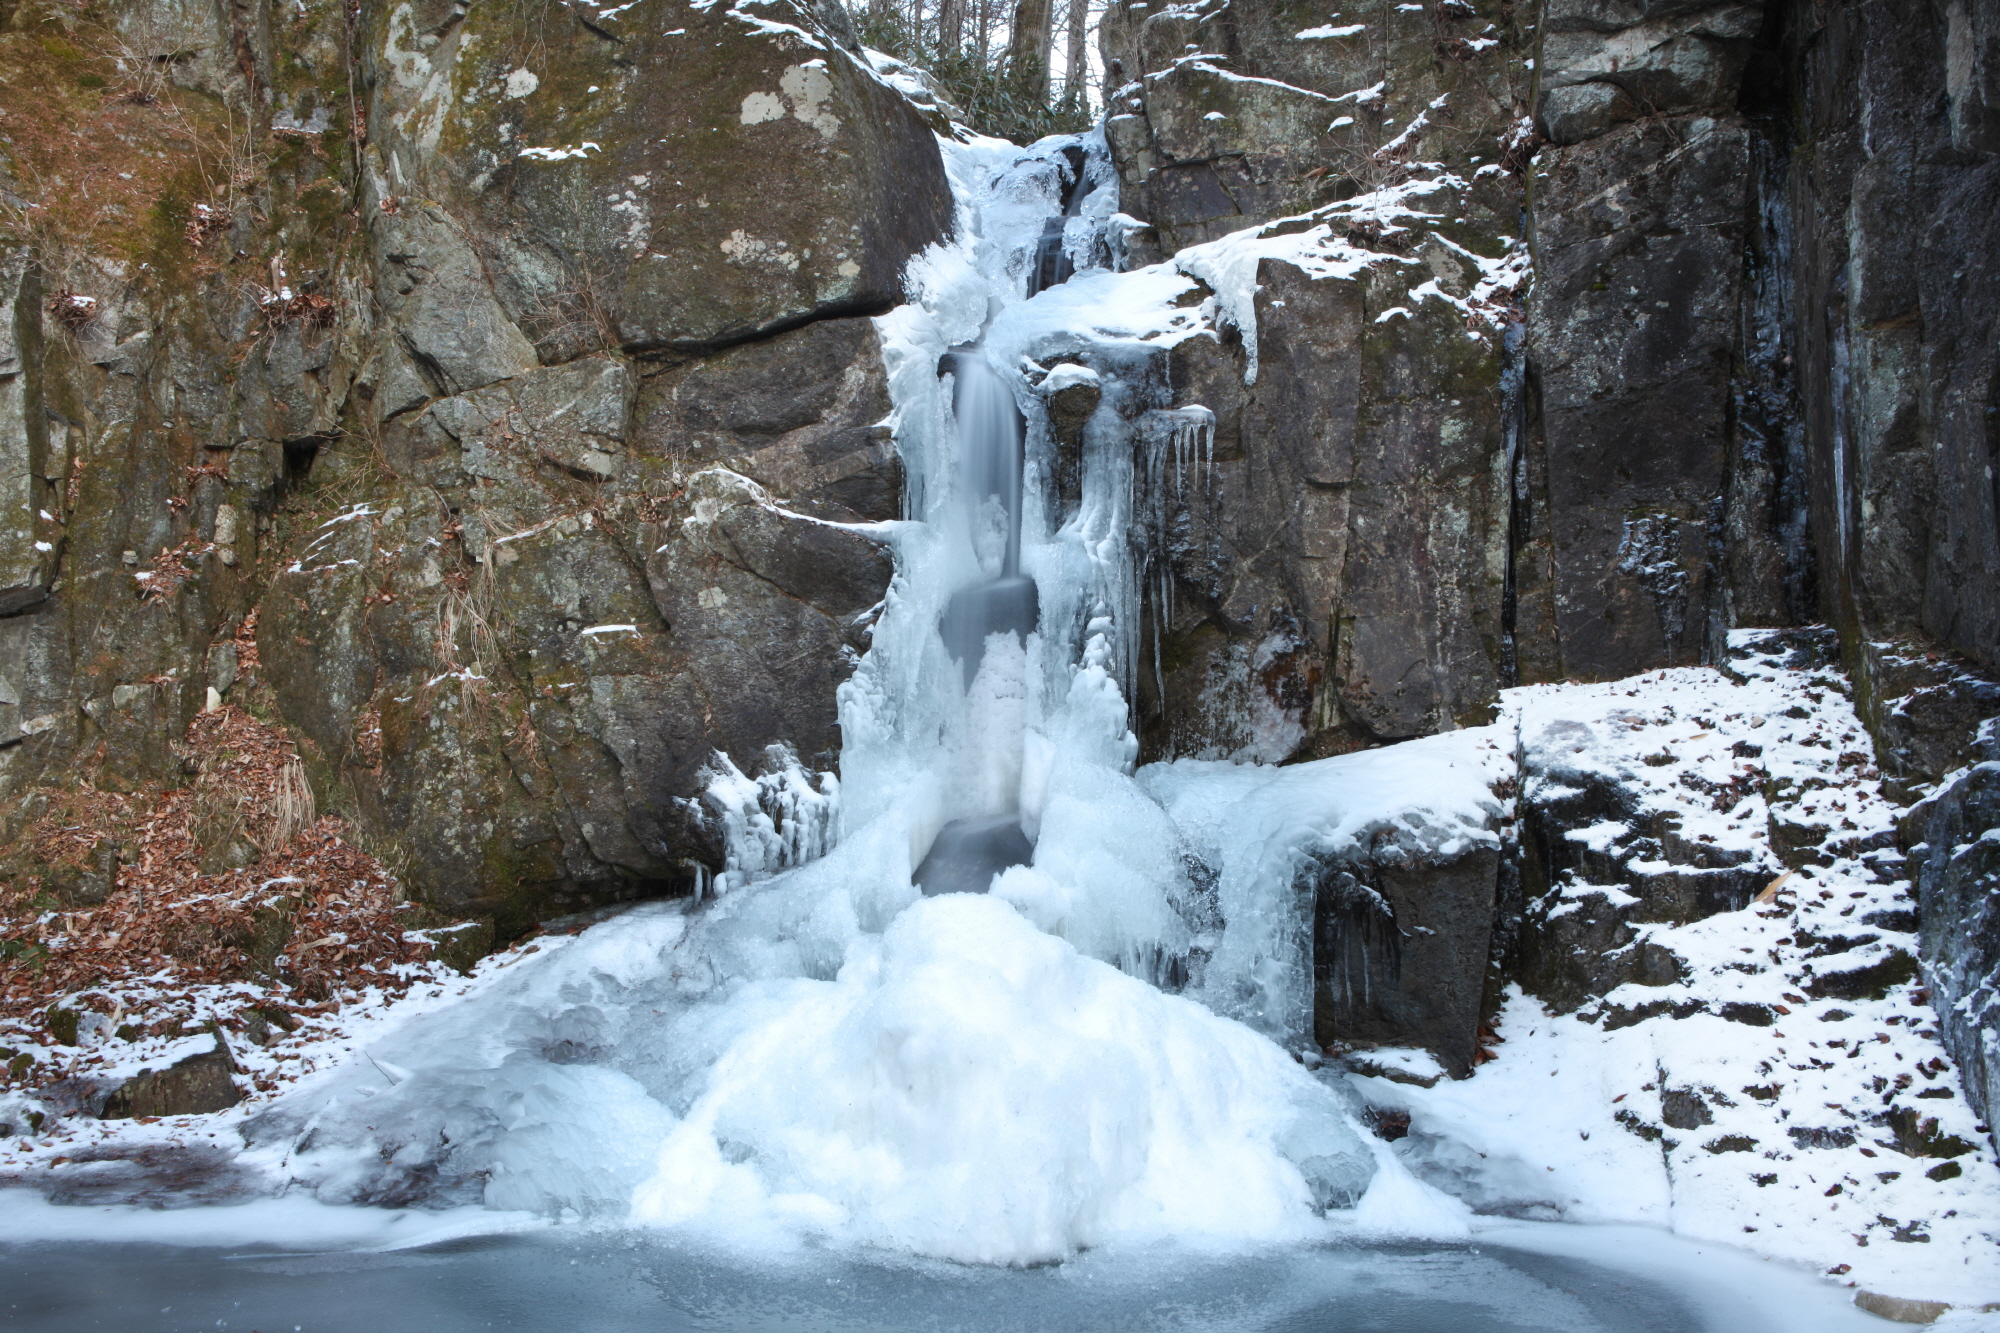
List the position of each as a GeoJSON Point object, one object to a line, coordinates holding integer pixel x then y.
{"type": "Point", "coordinates": [670, 175]}
{"type": "Point", "coordinates": [1401, 945]}
{"type": "Point", "coordinates": [803, 413]}
{"type": "Point", "coordinates": [193, 1085]}
{"type": "Point", "coordinates": [1605, 63]}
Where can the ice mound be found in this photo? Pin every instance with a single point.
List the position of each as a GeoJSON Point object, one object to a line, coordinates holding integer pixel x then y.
{"type": "Point", "coordinates": [513, 1098]}
{"type": "Point", "coordinates": [963, 1086]}
{"type": "Point", "coordinates": [973, 1089]}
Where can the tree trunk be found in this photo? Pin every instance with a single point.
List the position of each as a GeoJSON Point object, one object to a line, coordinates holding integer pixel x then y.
{"type": "Point", "coordinates": [1028, 47]}
{"type": "Point", "coordinates": [951, 25]}
{"type": "Point", "coordinates": [1076, 78]}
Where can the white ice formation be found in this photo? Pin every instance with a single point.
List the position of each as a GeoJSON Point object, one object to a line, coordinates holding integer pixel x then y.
{"type": "Point", "coordinates": [818, 1052]}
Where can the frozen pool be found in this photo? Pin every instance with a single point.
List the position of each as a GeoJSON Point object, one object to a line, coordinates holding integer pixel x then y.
{"type": "Point", "coordinates": [1547, 1279]}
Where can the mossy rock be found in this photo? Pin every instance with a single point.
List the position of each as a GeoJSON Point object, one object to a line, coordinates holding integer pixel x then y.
{"type": "Point", "coordinates": [194, 1086]}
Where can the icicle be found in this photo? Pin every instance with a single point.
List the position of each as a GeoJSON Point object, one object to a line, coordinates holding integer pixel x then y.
{"type": "Point", "coordinates": [783, 818]}
{"type": "Point", "coordinates": [1208, 459]}
{"type": "Point", "coordinates": [1159, 675]}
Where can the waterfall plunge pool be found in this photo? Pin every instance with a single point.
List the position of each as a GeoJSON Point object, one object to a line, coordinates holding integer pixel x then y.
{"type": "Point", "coordinates": [1544, 1277]}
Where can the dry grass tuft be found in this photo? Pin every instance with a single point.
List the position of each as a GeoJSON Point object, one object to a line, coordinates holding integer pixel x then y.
{"type": "Point", "coordinates": [308, 919]}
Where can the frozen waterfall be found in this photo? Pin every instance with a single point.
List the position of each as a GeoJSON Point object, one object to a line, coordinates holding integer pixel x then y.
{"type": "Point", "coordinates": [823, 1054]}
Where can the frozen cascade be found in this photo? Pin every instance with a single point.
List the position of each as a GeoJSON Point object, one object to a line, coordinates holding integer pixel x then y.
{"type": "Point", "coordinates": [821, 1053]}
{"type": "Point", "coordinates": [784, 817]}
{"type": "Point", "coordinates": [994, 615]}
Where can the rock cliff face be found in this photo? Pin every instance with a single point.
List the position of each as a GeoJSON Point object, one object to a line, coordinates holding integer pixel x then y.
{"type": "Point", "coordinates": [1750, 384]}
{"type": "Point", "coordinates": [452, 427]}
{"type": "Point", "coordinates": [1747, 396]}
{"type": "Point", "coordinates": [1350, 575]}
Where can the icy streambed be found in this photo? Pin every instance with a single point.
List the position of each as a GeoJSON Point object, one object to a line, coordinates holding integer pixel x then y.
{"type": "Point", "coordinates": [1512, 1278]}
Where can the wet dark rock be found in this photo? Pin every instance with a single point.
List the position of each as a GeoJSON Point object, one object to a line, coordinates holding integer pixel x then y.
{"type": "Point", "coordinates": [1631, 324]}
{"type": "Point", "coordinates": [1956, 871]}
{"type": "Point", "coordinates": [1070, 406]}
{"type": "Point", "coordinates": [1665, 966]}
{"type": "Point", "coordinates": [460, 947]}
{"type": "Point", "coordinates": [1896, 968]}
{"type": "Point", "coordinates": [1633, 1124]}
{"type": "Point", "coordinates": [1400, 948]}
{"type": "Point", "coordinates": [1924, 709]}
{"type": "Point", "coordinates": [1914, 1134]}
{"type": "Point", "coordinates": [1389, 1125]}
{"type": "Point", "coordinates": [1685, 1108]}
{"type": "Point", "coordinates": [1798, 843]}
{"type": "Point", "coordinates": [1362, 1062]}
{"type": "Point", "coordinates": [1821, 1137]}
